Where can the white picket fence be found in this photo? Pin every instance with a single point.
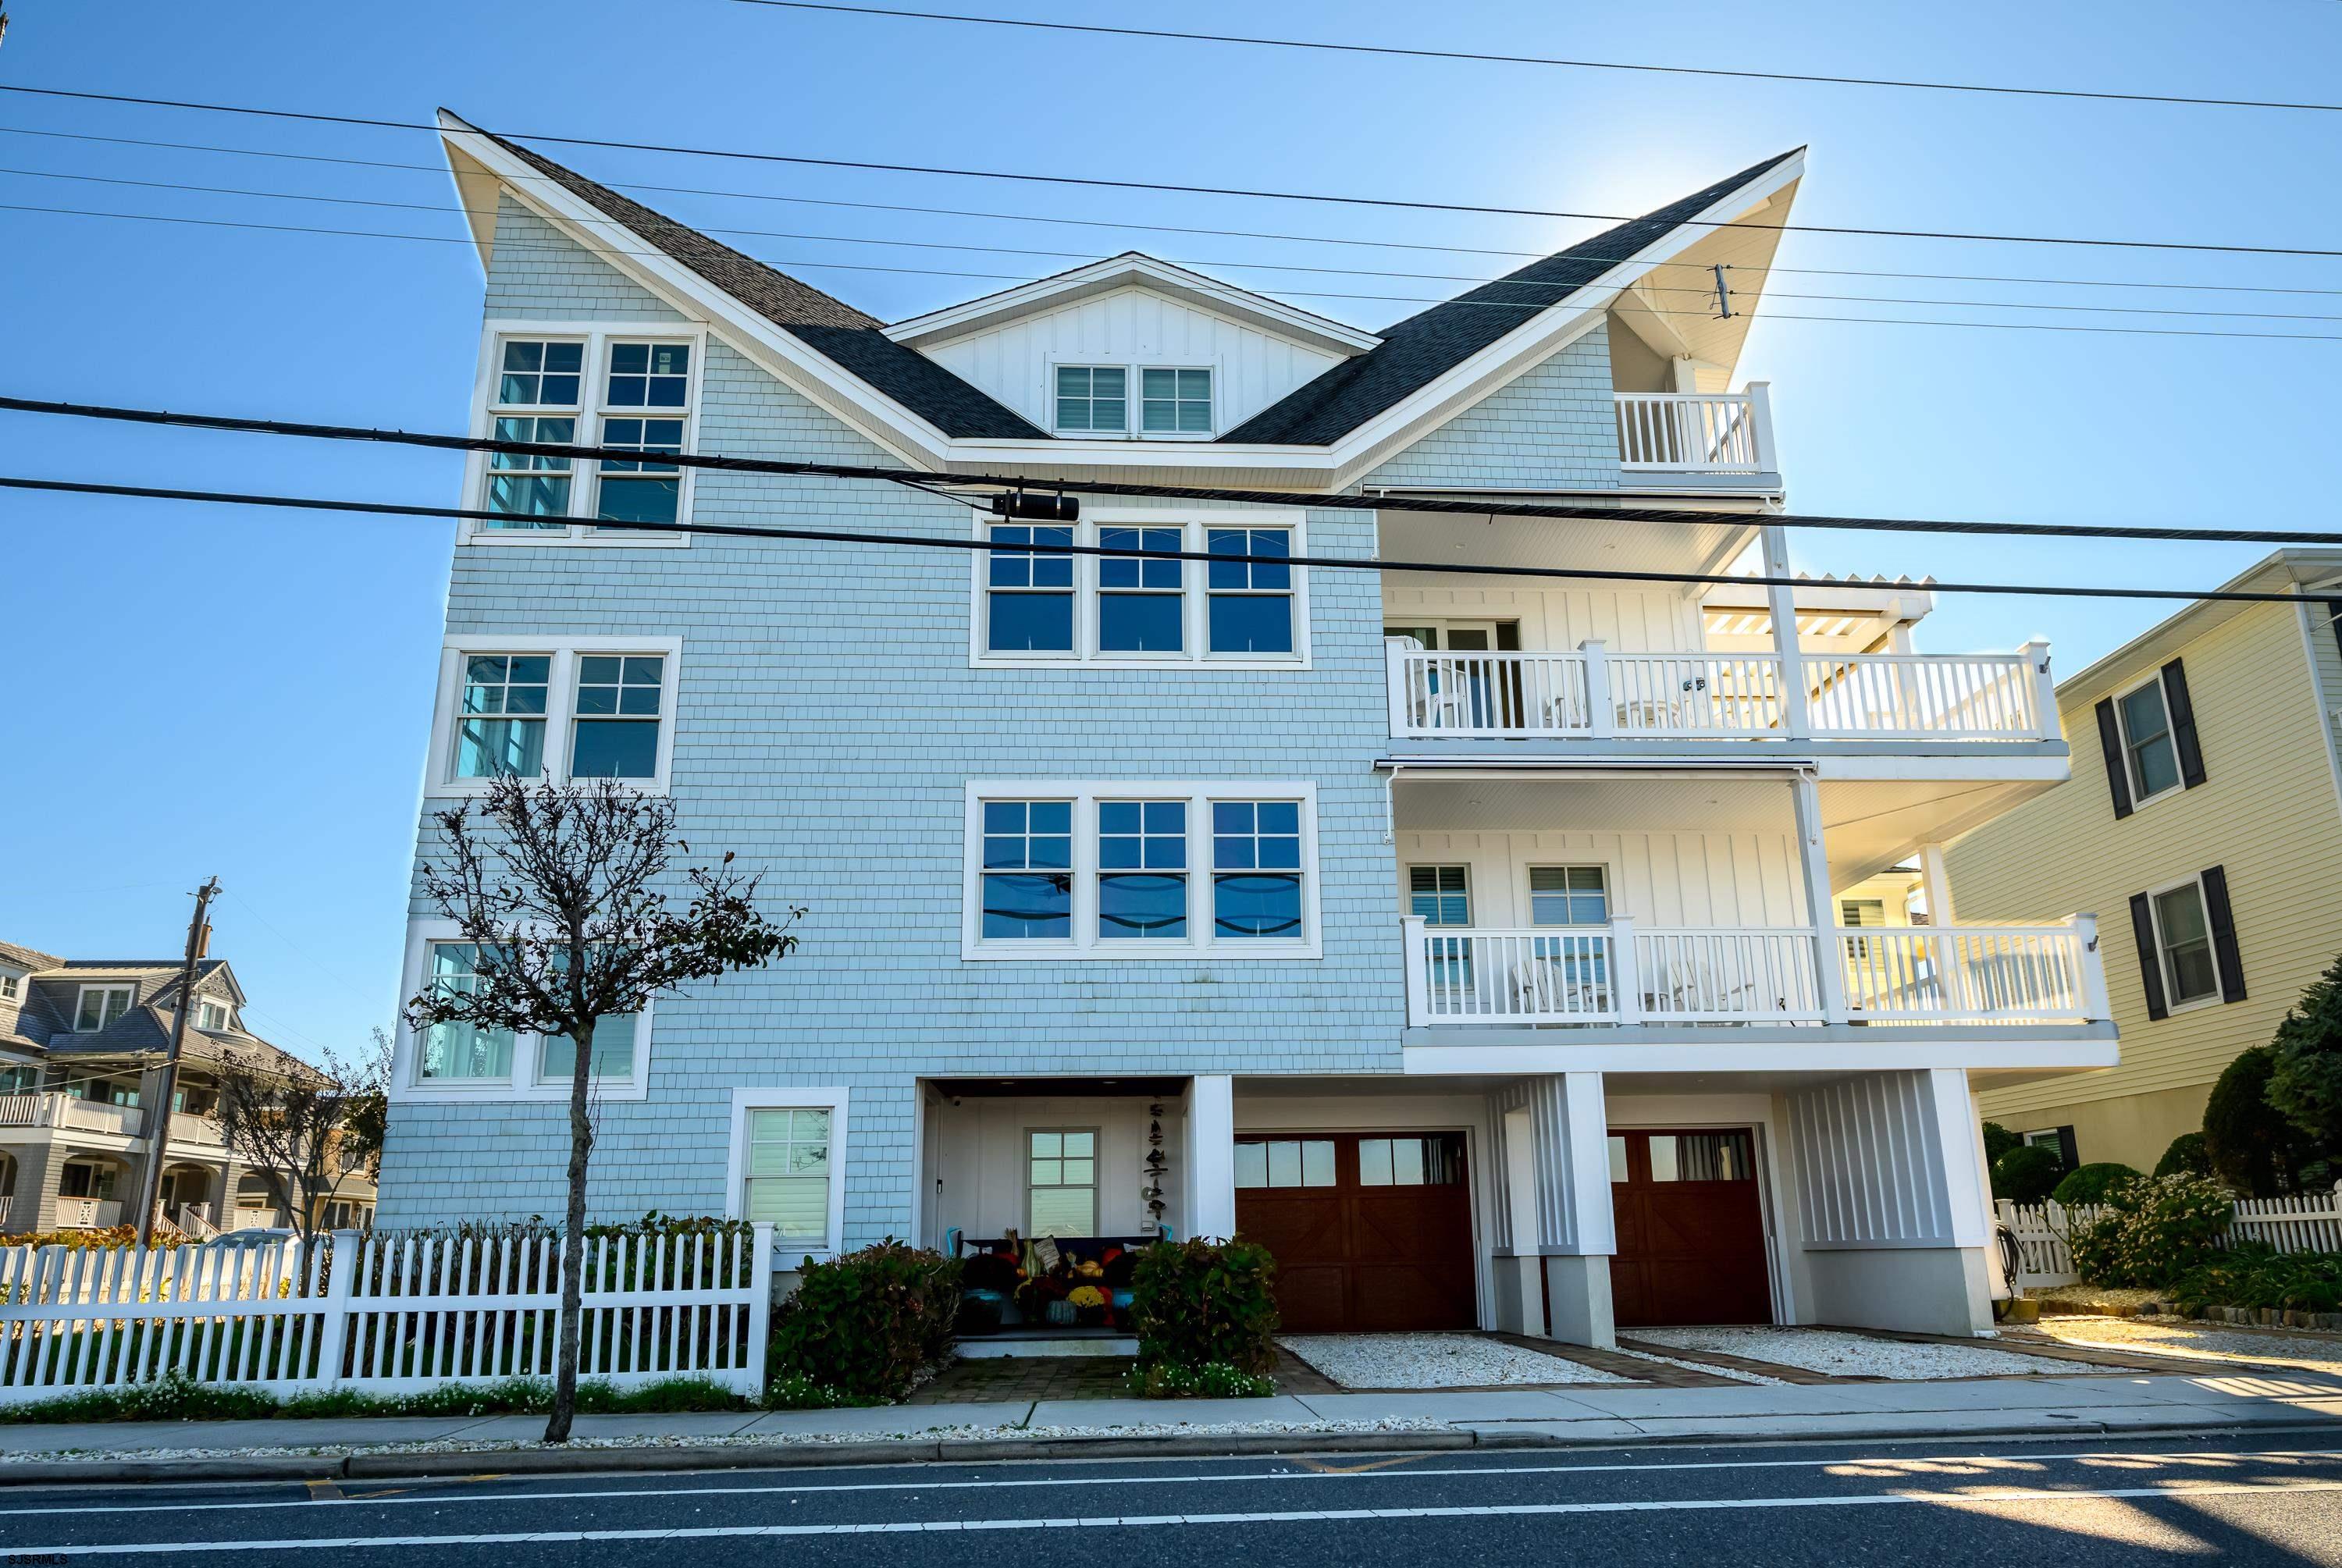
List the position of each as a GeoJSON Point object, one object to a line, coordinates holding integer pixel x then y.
{"type": "Point", "coordinates": [384, 1313]}
{"type": "Point", "coordinates": [2309, 1223]}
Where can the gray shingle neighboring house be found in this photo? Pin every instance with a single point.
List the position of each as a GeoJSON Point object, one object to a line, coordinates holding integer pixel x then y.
{"type": "Point", "coordinates": [82, 1044]}
{"type": "Point", "coordinates": [1472, 939]}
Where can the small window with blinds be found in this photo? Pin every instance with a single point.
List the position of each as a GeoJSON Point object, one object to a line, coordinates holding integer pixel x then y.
{"type": "Point", "coordinates": [787, 1167]}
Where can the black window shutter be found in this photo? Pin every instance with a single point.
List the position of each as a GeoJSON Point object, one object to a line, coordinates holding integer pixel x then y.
{"type": "Point", "coordinates": [2150, 964]}
{"type": "Point", "coordinates": [2183, 725]}
{"type": "Point", "coordinates": [2118, 772]}
{"type": "Point", "coordinates": [2223, 921]}
{"type": "Point", "coordinates": [2067, 1150]}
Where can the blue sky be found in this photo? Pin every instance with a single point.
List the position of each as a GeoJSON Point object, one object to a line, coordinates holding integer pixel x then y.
{"type": "Point", "coordinates": [204, 690]}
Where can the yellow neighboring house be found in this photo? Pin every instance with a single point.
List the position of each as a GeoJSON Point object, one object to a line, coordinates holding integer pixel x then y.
{"type": "Point", "coordinates": [2204, 829]}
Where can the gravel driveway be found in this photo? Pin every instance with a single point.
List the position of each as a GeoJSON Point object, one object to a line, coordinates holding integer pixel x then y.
{"type": "Point", "coordinates": [2200, 1342]}
{"type": "Point", "coordinates": [1433, 1360]}
{"type": "Point", "coordinates": [1842, 1354]}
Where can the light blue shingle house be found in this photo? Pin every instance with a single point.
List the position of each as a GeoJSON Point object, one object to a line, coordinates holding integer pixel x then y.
{"type": "Point", "coordinates": [1468, 938]}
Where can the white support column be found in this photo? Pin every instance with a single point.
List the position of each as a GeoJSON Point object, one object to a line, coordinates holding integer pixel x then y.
{"type": "Point", "coordinates": [1414, 931]}
{"type": "Point", "coordinates": [1761, 425]}
{"type": "Point", "coordinates": [1625, 974]}
{"type": "Point", "coordinates": [1600, 715]}
{"type": "Point", "coordinates": [2097, 1006]}
{"type": "Point", "coordinates": [2049, 723]}
{"type": "Point", "coordinates": [1211, 1150]}
{"type": "Point", "coordinates": [1813, 856]}
{"type": "Point", "coordinates": [1938, 881]}
{"type": "Point", "coordinates": [1572, 1233]}
{"type": "Point", "coordinates": [1782, 599]}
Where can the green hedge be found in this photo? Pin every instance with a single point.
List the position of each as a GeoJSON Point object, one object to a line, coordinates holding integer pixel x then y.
{"type": "Point", "coordinates": [862, 1325]}
{"type": "Point", "coordinates": [2156, 1229]}
{"type": "Point", "coordinates": [2254, 1276]}
{"type": "Point", "coordinates": [1199, 1304]}
{"type": "Point", "coordinates": [2091, 1184]}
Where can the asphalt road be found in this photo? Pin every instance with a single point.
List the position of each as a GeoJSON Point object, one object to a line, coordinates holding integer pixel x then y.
{"type": "Point", "coordinates": [2069, 1503]}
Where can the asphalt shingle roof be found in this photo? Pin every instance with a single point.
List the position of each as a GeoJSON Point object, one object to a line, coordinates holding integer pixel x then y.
{"type": "Point", "coordinates": [854, 341]}
{"type": "Point", "coordinates": [1424, 346]}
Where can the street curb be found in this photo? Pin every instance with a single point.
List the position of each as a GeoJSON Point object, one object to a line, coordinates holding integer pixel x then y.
{"type": "Point", "coordinates": [911, 1451]}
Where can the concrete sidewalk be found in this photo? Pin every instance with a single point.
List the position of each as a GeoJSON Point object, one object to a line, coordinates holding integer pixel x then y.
{"type": "Point", "coordinates": [2009, 1406]}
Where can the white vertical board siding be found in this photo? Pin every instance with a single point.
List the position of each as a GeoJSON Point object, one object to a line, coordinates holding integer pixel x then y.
{"type": "Point", "coordinates": [1629, 619]}
{"type": "Point", "coordinates": [1133, 326]}
{"type": "Point", "coordinates": [1869, 1157]}
{"type": "Point", "coordinates": [1659, 879]}
{"type": "Point", "coordinates": [977, 1147]}
{"type": "Point", "coordinates": [1569, 1154]}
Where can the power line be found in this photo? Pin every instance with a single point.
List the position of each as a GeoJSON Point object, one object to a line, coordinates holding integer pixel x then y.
{"type": "Point", "coordinates": [920, 478]}
{"type": "Point", "coordinates": [1480, 57]}
{"type": "Point", "coordinates": [1395, 202]}
{"type": "Point", "coordinates": [1226, 265]}
{"type": "Point", "coordinates": [1018, 279]}
{"type": "Point", "coordinates": [1132, 226]}
{"type": "Point", "coordinates": [1088, 257]}
{"type": "Point", "coordinates": [987, 546]}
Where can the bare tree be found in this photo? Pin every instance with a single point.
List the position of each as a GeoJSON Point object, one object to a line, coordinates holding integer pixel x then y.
{"type": "Point", "coordinates": [564, 901]}
{"type": "Point", "coordinates": [304, 1131]}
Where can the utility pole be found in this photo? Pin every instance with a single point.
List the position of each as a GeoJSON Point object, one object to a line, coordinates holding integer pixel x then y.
{"type": "Point", "coordinates": [199, 938]}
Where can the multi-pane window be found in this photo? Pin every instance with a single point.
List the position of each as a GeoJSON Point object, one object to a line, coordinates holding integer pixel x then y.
{"type": "Point", "coordinates": [1028, 869]}
{"type": "Point", "coordinates": [2148, 749]}
{"type": "Point", "coordinates": [22, 1078]}
{"type": "Point", "coordinates": [501, 715]}
{"type": "Point", "coordinates": [614, 1051]}
{"type": "Point", "coordinates": [99, 1006]}
{"type": "Point", "coordinates": [616, 726]}
{"type": "Point", "coordinates": [1029, 603]}
{"type": "Point", "coordinates": [1141, 607]}
{"type": "Point", "coordinates": [460, 1051]}
{"type": "Point", "coordinates": [641, 490]}
{"type": "Point", "coordinates": [1257, 869]}
{"type": "Point", "coordinates": [649, 375]}
{"type": "Point", "coordinates": [1568, 896]}
{"type": "Point", "coordinates": [1436, 1161]}
{"type": "Point", "coordinates": [1142, 870]}
{"type": "Point", "coordinates": [1439, 894]}
{"type": "Point", "coordinates": [1061, 1182]}
{"type": "Point", "coordinates": [12, 986]}
{"type": "Point", "coordinates": [1249, 601]}
{"type": "Point", "coordinates": [1175, 402]}
{"type": "Point", "coordinates": [535, 374]}
{"type": "Point", "coordinates": [787, 1165]}
{"type": "Point", "coordinates": [1093, 397]}
{"type": "Point", "coordinates": [211, 1014]}
{"type": "Point", "coordinates": [2184, 934]}
{"type": "Point", "coordinates": [1286, 1163]}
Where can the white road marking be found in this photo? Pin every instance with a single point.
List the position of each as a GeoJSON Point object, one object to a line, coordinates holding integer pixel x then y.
{"type": "Point", "coordinates": [1027, 1482]}
{"type": "Point", "coordinates": [2025, 1496]}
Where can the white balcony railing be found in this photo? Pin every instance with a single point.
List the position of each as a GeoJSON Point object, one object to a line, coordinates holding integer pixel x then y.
{"type": "Point", "coordinates": [1619, 974]}
{"type": "Point", "coordinates": [1592, 694]}
{"type": "Point", "coordinates": [53, 1109]}
{"type": "Point", "coordinates": [87, 1214]}
{"type": "Point", "coordinates": [199, 1130]}
{"type": "Point", "coordinates": [1720, 433]}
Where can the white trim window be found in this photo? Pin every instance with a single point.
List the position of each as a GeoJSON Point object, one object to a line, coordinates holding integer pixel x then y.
{"type": "Point", "coordinates": [1101, 870]}
{"type": "Point", "coordinates": [12, 986]}
{"type": "Point", "coordinates": [462, 1061]}
{"type": "Point", "coordinates": [1175, 402]}
{"type": "Point", "coordinates": [532, 387]}
{"type": "Point", "coordinates": [1569, 895]}
{"type": "Point", "coordinates": [786, 1167]}
{"type": "Point", "coordinates": [1031, 608]}
{"type": "Point", "coordinates": [99, 1005]}
{"type": "Point", "coordinates": [1439, 894]}
{"type": "Point", "coordinates": [1061, 1181]}
{"type": "Point", "coordinates": [213, 1015]}
{"type": "Point", "coordinates": [561, 708]}
{"type": "Point", "coordinates": [2183, 945]}
{"type": "Point", "coordinates": [2150, 748]}
{"type": "Point", "coordinates": [1091, 399]}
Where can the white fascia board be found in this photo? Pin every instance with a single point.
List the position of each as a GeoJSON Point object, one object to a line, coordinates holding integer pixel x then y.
{"type": "Point", "coordinates": [869, 412]}
{"type": "Point", "coordinates": [992, 309]}
{"type": "Point", "coordinates": [2155, 646]}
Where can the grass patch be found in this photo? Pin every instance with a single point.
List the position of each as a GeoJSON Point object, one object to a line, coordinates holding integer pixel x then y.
{"type": "Point", "coordinates": [1213, 1380]}
{"type": "Point", "coordinates": [178, 1398]}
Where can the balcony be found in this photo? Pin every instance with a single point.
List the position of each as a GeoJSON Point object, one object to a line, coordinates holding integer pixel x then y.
{"type": "Point", "coordinates": [1622, 975]}
{"type": "Point", "coordinates": [53, 1109]}
{"type": "Point", "coordinates": [87, 1214]}
{"type": "Point", "coordinates": [1592, 694]}
{"type": "Point", "coordinates": [1721, 440]}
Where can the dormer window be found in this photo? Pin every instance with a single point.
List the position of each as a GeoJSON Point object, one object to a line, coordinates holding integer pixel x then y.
{"type": "Point", "coordinates": [100, 1005]}
{"type": "Point", "coordinates": [1093, 398]}
{"type": "Point", "coordinates": [212, 1015]}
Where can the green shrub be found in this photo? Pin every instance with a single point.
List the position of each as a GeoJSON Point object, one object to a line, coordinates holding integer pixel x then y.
{"type": "Point", "coordinates": [1999, 1141]}
{"type": "Point", "coordinates": [178, 1397]}
{"type": "Point", "coordinates": [2253, 1275]}
{"type": "Point", "coordinates": [866, 1323]}
{"type": "Point", "coordinates": [2027, 1174]}
{"type": "Point", "coordinates": [1214, 1380]}
{"type": "Point", "coordinates": [2187, 1156]}
{"type": "Point", "coordinates": [2091, 1184]}
{"type": "Point", "coordinates": [2251, 1144]}
{"type": "Point", "coordinates": [1197, 1302]}
{"type": "Point", "coordinates": [2156, 1230]}
{"type": "Point", "coordinates": [797, 1391]}
{"type": "Point", "coordinates": [2306, 1077]}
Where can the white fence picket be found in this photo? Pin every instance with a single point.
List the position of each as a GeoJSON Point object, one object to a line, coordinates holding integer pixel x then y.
{"type": "Point", "coordinates": [379, 1313]}
{"type": "Point", "coordinates": [2307, 1222]}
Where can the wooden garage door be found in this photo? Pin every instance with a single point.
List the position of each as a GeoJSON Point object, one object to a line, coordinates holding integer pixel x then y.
{"type": "Point", "coordinates": [1370, 1232]}
{"type": "Point", "coordinates": [1691, 1229]}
